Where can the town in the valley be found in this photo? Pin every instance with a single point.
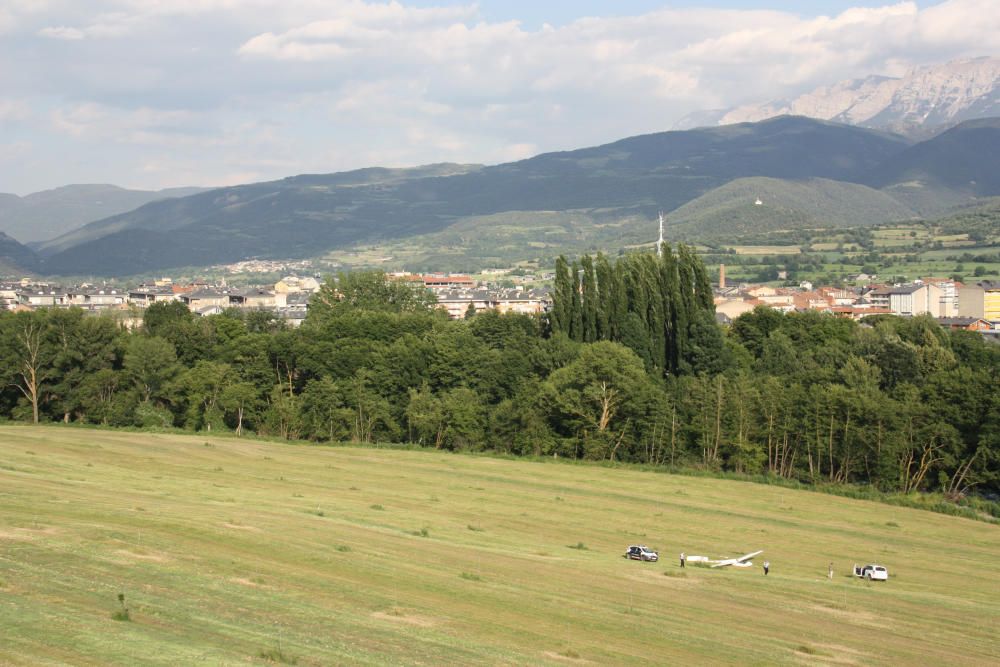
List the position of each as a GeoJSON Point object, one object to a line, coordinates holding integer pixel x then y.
{"type": "Point", "coordinates": [974, 306]}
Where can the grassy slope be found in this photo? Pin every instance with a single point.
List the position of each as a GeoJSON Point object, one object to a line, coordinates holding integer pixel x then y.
{"type": "Point", "coordinates": [505, 239]}
{"type": "Point", "coordinates": [222, 553]}
{"type": "Point", "coordinates": [729, 210]}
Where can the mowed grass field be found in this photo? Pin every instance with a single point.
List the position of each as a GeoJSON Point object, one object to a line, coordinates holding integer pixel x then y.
{"type": "Point", "coordinates": [230, 550]}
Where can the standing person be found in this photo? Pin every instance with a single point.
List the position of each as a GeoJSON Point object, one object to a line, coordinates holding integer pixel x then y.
{"type": "Point", "coordinates": [767, 566]}
{"type": "Point", "coordinates": [829, 574]}
{"type": "Point", "coordinates": [683, 558]}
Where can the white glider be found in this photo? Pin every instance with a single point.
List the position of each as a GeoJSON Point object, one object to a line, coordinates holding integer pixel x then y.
{"type": "Point", "coordinates": [742, 561]}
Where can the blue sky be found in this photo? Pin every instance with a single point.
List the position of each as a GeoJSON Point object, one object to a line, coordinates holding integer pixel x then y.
{"type": "Point", "coordinates": [560, 12]}
{"type": "Point", "coordinates": [161, 93]}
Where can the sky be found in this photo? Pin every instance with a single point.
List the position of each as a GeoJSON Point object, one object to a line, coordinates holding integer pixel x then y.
{"type": "Point", "coordinates": [160, 93]}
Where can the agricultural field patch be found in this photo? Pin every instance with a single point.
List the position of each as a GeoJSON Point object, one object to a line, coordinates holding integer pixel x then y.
{"type": "Point", "coordinates": [765, 249]}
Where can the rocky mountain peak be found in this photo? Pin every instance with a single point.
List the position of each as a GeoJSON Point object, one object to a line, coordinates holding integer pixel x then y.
{"type": "Point", "coordinates": [924, 101]}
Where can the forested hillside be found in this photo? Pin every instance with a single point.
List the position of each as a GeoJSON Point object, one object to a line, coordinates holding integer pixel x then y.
{"type": "Point", "coordinates": [629, 367]}
{"type": "Point", "coordinates": [307, 215]}
{"type": "Point", "coordinates": [981, 222]}
{"type": "Point", "coordinates": [945, 172]}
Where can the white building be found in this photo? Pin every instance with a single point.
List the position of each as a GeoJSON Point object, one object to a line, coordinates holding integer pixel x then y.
{"type": "Point", "coordinates": [915, 299]}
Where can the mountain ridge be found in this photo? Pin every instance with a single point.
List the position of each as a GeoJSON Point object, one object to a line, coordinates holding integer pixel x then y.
{"type": "Point", "coordinates": [15, 257]}
{"type": "Point", "coordinates": [41, 215]}
{"type": "Point", "coordinates": [813, 173]}
{"type": "Point", "coordinates": [920, 103]}
{"type": "Point", "coordinates": [305, 215]}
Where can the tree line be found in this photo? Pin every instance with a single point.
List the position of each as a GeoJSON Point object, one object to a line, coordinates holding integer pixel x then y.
{"type": "Point", "coordinates": [629, 366]}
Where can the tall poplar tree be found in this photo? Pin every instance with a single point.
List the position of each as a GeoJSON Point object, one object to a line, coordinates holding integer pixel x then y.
{"type": "Point", "coordinates": [562, 298]}
{"type": "Point", "coordinates": [590, 301]}
{"type": "Point", "coordinates": [576, 308]}
{"type": "Point", "coordinates": [605, 277]}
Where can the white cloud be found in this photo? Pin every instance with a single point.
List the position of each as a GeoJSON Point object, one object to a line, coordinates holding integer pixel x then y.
{"type": "Point", "coordinates": [14, 153]}
{"type": "Point", "coordinates": [147, 126]}
{"type": "Point", "coordinates": [519, 151]}
{"type": "Point", "coordinates": [13, 12]}
{"type": "Point", "coordinates": [218, 88]}
{"type": "Point", "coordinates": [13, 111]}
{"type": "Point", "coordinates": [683, 55]}
{"type": "Point", "coordinates": [62, 32]}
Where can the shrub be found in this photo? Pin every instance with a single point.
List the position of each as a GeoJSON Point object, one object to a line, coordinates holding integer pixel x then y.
{"type": "Point", "coordinates": [122, 613]}
{"type": "Point", "coordinates": [150, 416]}
{"type": "Point", "coordinates": [277, 655]}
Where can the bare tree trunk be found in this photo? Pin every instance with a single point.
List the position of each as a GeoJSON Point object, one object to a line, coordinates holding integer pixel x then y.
{"type": "Point", "coordinates": [673, 434]}
{"type": "Point", "coordinates": [914, 478]}
{"type": "Point", "coordinates": [830, 447]}
{"type": "Point", "coordinates": [618, 444]}
{"type": "Point", "coordinates": [718, 420]}
{"type": "Point", "coordinates": [957, 487]}
{"type": "Point", "coordinates": [609, 402]}
{"type": "Point", "coordinates": [30, 338]}
{"type": "Point", "coordinates": [652, 445]}
{"type": "Point", "coordinates": [772, 453]}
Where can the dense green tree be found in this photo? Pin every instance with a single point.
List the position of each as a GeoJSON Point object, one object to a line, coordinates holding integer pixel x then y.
{"type": "Point", "coordinates": [201, 388]}
{"type": "Point", "coordinates": [562, 306]}
{"type": "Point", "coordinates": [107, 398]}
{"type": "Point", "coordinates": [282, 416]}
{"type": "Point", "coordinates": [371, 417]}
{"type": "Point", "coordinates": [752, 329]}
{"type": "Point", "coordinates": [366, 291]}
{"type": "Point", "coordinates": [648, 304]}
{"type": "Point", "coordinates": [519, 425]}
{"type": "Point", "coordinates": [150, 362]}
{"type": "Point", "coordinates": [239, 400]}
{"type": "Point", "coordinates": [164, 317]}
{"type": "Point", "coordinates": [630, 365]}
{"type": "Point", "coordinates": [323, 414]}
{"type": "Point", "coordinates": [81, 347]}
{"type": "Point", "coordinates": [425, 418]}
{"type": "Point", "coordinates": [706, 350]}
{"type": "Point", "coordinates": [597, 397]}
{"type": "Point", "coordinates": [589, 301]}
{"type": "Point", "coordinates": [27, 359]}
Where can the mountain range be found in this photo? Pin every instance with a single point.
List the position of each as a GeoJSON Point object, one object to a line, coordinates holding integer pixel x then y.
{"type": "Point", "coordinates": [14, 257]}
{"type": "Point", "coordinates": [50, 213]}
{"type": "Point", "coordinates": [807, 172]}
{"type": "Point", "coordinates": [924, 101]}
